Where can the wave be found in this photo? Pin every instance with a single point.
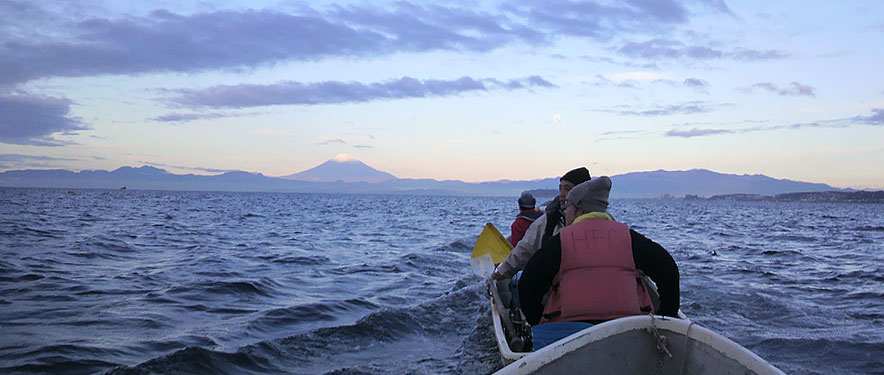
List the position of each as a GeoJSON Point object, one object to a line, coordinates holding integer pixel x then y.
{"type": "Point", "coordinates": [274, 320]}
{"type": "Point", "coordinates": [61, 359]}
{"type": "Point", "coordinates": [103, 247]}
{"type": "Point", "coordinates": [311, 260]}
{"type": "Point", "coordinates": [61, 366]}
{"type": "Point", "coordinates": [781, 252]}
{"type": "Point", "coordinates": [30, 230]}
{"type": "Point", "coordinates": [416, 334]}
{"type": "Point", "coordinates": [367, 268]}
{"type": "Point", "coordinates": [791, 238]}
{"type": "Point", "coordinates": [869, 228]}
{"type": "Point", "coordinates": [205, 290]}
{"type": "Point", "coordinates": [814, 353]}
{"type": "Point", "coordinates": [196, 360]}
{"type": "Point", "coordinates": [25, 277]}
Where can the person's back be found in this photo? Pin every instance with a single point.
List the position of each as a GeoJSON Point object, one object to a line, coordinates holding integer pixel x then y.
{"type": "Point", "coordinates": [544, 227]}
{"type": "Point", "coordinates": [527, 215]}
{"type": "Point", "coordinates": [590, 270]}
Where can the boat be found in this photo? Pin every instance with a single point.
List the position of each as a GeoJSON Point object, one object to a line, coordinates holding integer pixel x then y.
{"type": "Point", "coordinates": [512, 332]}
{"type": "Point", "coordinates": [643, 344]}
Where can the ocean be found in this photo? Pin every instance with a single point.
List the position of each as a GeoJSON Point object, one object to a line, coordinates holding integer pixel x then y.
{"type": "Point", "coordinates": [158, 282]}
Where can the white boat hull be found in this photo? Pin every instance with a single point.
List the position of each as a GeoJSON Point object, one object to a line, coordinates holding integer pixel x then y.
{"type": "Point", "coordinates": [629, 346]}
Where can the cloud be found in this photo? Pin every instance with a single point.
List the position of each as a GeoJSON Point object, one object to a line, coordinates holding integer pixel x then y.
{"type": "Point", "coordinates": [19, 158]}
{"type": "Point", "coordinates": [634, 79]}
{"type": "Point", "coordinates": [414, 28]}
{"type": "Point", "coordinates": [755, 55]}
{"type": "Point", "coordinates": [718, 5]}
{"type": "Point", "coordinates": [605, 81]}
{"type": "Point", "coordinates": [795, 89]}
{"type": "Point", "coordinates": [695, 132]}
{"type": "Point", "coordinates": [598, 20]}
{"type": "Point", "coordinates": [357, 140]}
{"type": "Point", "coordinates": [164, 41]}
{"type": "Point", "coordinates": [32, 120]}
{"type": "Point", "coordinates": [877, 117]}
{"type": "Point", "coordinates": [210, 170]}
{"type": "Point", "coordinates": [184, 117]}
{"type": "Point", "coordinates": [337, 92]}
{"type": "Point", "coordinates": [697, 84]}
{"type": "Point", "coordinates": [683, 109]}
{"type": "Point", "coordinates": [327, 141]}
{"type": "Point", "coordinates": [621, 134]}
{"type": "Point", "coordinates": [620, 62]}
{"type": "Point", "coordinates": [180, 117]}
{"type": "Point", "coordinates": [42, 43]}
{"type": "Point", "coordinates": [9, 161]}
{"type": "Point", "coordinates": [673, 49]}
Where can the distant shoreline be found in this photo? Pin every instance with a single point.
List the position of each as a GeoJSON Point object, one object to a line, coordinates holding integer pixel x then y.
{"type": "Point", "coordinates": [818, 197]}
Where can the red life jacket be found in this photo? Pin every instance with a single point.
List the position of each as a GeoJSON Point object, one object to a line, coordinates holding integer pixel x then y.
{"type": "Point", "coordinates": [520, 226]}
{"type": "Point", "coordinates": [597, 278]}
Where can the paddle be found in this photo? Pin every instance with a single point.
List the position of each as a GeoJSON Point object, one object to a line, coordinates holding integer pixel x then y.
{"type": "Point", "coordinates": [491, 248]}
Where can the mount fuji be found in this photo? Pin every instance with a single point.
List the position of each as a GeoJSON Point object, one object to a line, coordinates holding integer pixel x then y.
{"type": "Point", "coordinates": [344, 168]}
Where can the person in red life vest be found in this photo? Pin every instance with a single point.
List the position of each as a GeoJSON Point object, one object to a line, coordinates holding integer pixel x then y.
{"type": "Point", "coordinates": [591, 270]}
{"type": "Point", "coordinates": [527, 215]}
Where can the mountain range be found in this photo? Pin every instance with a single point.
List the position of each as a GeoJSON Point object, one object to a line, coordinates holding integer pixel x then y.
{"type": "Point", "coordinates": [345, 174]}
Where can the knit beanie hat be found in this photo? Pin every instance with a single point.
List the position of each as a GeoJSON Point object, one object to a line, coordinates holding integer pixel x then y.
{"type": "Point", "coordinates": [526, 200]}
{"type": "Point", "coordinates": [576, 176]}
{"type": "Point", "coordinates": [591, 196]}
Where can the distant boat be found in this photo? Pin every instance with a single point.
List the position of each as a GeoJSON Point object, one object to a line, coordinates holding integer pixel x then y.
{"type": "Point", "coordinates": [123, 188]}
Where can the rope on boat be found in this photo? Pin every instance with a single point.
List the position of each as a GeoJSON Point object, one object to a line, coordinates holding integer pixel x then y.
{"type": "Point", "coordinates": [687, 337]}
{"type": "Point", "coordinates": [662, 341]}
{"type": "Point", "coordinates": [663, 344]}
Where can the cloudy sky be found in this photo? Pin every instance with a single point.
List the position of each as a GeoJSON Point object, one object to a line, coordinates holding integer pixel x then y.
{"type": "Point", "coordinates": [475, 91]}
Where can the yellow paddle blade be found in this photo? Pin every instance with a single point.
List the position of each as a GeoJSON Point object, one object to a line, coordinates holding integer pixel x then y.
{"type": "Point", "coordinates": [493, 243]}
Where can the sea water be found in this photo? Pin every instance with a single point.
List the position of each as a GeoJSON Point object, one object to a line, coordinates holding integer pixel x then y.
{"type": "Point", "coordinates": [135, 282]}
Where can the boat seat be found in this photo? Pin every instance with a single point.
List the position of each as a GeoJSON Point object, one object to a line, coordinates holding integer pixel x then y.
{"type": "Point", "coordinates": [548, 333]}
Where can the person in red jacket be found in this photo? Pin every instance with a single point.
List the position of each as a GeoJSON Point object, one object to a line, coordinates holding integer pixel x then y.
{"type": "Point", "coordinates": [527, 215]}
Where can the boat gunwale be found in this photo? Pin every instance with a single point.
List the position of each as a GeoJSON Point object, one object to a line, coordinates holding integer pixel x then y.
{"type": "Point", "coordinates": [507, 355]}
{"type": "Point", "coordinates": [693, 331]}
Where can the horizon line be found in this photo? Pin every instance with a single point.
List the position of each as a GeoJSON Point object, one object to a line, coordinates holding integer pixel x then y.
{"type": "Point", "coordinates": [219, 172]}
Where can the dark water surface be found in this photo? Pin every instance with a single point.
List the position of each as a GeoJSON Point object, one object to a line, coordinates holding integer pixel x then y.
{"type": "Point", "coordinates": [121, 282]}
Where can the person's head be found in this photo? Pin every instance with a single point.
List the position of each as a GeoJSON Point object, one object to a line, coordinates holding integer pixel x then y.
{"type": "Point", "coordinates": [526, 201]}
{"type": "Point", "coordinates": [589, 196]}
{"type": "Point", "coordinates": [569, 180]}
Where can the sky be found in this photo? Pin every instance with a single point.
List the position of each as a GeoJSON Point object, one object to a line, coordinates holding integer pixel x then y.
{"type": "Point", "coordinates": [472, 90]}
